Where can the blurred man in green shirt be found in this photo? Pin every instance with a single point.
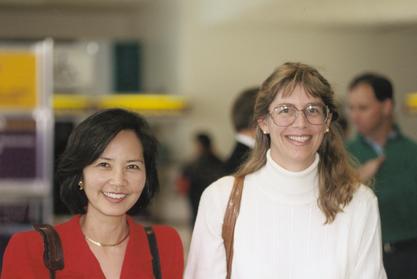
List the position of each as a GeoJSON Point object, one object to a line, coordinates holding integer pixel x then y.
{"type": "Point", "coordinates": [390, 158]}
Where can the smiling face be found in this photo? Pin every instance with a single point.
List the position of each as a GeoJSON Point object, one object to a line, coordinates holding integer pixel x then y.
{"type": "Point", "coordinates": [294, 147]}
{"type": "Point", "coordinates": [114, 182]}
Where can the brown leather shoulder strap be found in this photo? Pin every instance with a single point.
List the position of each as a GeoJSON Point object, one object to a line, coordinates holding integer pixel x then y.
{"type": "Point", "coordinates": [229, 222]}
{"type": "Point", "coordinates": [53, 256]}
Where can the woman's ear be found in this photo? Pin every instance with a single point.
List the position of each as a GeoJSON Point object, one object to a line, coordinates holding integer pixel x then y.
{"type": "Point", "coordinates": [262, 123]}
{"type": "Point", "coordinates": [329, 120]}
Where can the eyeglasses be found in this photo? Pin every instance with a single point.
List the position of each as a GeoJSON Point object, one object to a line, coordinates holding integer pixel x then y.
{"type": "Point", "coordinates": [284, 115]}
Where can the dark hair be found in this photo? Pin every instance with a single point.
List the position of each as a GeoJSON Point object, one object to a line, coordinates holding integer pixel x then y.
{"type": "Point", "coordinates": [205, 141]}
{"type": "Point", "coordinates": [381, 85]}
{"type": "Point", "coordinates": [89, 140]}
{"type": "Point", "coordinates": [243, 108]}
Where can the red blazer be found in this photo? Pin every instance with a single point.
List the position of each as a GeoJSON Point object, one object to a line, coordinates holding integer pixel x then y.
{"type": "Point", "coordinates": [23, 257]}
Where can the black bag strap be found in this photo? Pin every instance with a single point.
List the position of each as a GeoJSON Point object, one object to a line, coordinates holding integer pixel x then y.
{"type": "Point", "coordinates": [53, 256]}
{"type": "Point", "coordinates": [154, 251]}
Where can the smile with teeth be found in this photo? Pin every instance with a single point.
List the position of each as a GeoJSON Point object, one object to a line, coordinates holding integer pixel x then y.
{"type": "Point", "coordinates": [299, 138]}
{"type": "Point", "coordinates": [117, 196]}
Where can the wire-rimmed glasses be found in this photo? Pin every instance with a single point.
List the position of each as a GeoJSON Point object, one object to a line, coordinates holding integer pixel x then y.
{"type": "Point", "coordinates": [284, 115]}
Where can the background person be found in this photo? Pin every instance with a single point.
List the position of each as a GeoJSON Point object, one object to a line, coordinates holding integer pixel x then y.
{"type": "Point", "coordinates": [245, 128]}
{"type": "Point", "coordinates": [205, 168]}
{"type": "Point", "coordinates": [390, 158]}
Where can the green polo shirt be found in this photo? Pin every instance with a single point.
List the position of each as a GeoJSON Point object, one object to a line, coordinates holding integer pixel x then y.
{"type": "Point", "coordinates": [395, 184]}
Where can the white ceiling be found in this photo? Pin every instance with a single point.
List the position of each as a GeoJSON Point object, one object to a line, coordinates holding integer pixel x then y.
{"type": "Point", "coordinates": [71, 3]}
{"type": "Point", "coordinates": [351, 12]}
{"type": "Point", "coordinates": [302, 12]}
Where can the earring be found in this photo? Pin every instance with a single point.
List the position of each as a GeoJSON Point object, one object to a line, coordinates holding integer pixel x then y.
{"type": "Point", "coordinates": [81, 185]}
{"type": "Point", "coordinates": [264, 132]}
{"type": "Point", "coordinates": [327, 129]}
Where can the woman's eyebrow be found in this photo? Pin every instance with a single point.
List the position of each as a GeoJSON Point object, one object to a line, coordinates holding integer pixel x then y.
{"type": "Point", "coordinates": [135, 161]}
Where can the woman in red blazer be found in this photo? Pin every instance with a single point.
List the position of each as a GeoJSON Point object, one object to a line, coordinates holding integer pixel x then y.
{"type": "Point", "coordinates": [107, 170]}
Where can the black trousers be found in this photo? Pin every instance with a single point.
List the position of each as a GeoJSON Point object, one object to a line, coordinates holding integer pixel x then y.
{"type": "Point", "coordinates": [400, 260]}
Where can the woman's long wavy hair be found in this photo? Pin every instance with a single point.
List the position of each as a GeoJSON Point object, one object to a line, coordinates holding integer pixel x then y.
{"type": "Point", "coordinates": [338, 179]}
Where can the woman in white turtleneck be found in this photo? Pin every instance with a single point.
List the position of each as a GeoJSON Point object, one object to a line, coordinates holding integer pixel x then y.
{"type": "Point", "coordinates": [303, 212]}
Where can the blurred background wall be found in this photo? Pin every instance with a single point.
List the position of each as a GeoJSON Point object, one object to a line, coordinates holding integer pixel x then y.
{"type": "Point", "coordinates": [210, 50]}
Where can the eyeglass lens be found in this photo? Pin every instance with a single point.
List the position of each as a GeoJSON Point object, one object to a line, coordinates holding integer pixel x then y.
{"type": "Point", "coordinates": [285, 114]}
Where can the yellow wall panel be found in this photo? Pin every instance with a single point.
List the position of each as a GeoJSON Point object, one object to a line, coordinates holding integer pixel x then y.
{"type": "Point", "coordinates": [18, 86]}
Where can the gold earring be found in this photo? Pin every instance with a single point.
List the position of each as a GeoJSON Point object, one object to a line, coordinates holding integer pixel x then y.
{"type": "Point", "coordinates": [81, 184]}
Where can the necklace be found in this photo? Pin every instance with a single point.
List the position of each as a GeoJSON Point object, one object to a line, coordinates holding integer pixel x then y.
{"type": "Point", "coordinates": [105, 244]}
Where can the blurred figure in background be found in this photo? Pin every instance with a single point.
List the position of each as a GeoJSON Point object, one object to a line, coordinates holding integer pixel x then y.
{"type": "Point", "coordinates": [242, 117]}
{"type": "Point", "coordinates": [390, 158]}
{"type": "Point", "coordinates": [201, 171]}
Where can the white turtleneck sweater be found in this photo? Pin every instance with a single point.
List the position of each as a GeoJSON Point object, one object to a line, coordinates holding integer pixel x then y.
{"type": "Point", "coordinates": [280, 231]}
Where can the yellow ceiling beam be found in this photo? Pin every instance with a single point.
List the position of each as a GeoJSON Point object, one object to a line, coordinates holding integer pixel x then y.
{"type": "Point", "coordinates": [137, 102]}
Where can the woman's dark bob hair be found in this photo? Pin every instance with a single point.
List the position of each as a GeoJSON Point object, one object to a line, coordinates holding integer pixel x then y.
{"type": "Point", "coordinates": [88, 141]}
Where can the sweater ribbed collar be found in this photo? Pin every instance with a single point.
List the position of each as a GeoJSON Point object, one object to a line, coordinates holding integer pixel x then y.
{"type": "Point", "coordinates": [287, 186]}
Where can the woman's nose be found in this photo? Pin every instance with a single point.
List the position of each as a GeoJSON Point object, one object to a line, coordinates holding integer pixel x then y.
{"type": "Point", "coordinates": [118, 176]}
{"type": "Point", "coordinates": [300, 120]}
